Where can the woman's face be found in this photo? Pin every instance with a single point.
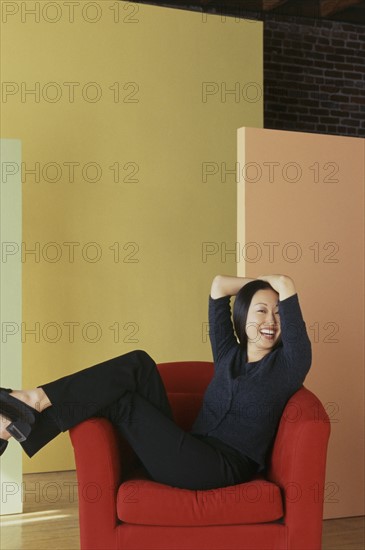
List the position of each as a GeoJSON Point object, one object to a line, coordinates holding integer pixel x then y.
{"type": "Point", "coordinates": [263, 322]}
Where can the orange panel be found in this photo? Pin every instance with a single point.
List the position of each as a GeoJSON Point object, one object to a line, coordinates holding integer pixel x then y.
{"type": "Point", "coordinates": [301, 212]}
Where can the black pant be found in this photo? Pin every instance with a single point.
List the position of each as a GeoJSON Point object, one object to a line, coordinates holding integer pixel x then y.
{"type": "Point", "coordinates": [129, 391]}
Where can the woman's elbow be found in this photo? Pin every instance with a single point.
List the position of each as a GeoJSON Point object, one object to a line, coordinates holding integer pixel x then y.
{"type": "Point", "coordinates": [216, 288]}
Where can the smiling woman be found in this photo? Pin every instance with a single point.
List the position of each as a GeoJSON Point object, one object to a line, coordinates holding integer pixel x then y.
{"type": "Point", "coordinates": [256, 319]}
{"type": "Point", "coordinates": [254, 377]}
{"type": "Point", "coordinates": [256, 316]}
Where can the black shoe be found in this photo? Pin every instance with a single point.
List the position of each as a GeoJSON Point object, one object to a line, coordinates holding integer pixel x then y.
{"type": "Point", "coordinates": [22, 417]}
{"type": "Point", "coordinates": [3, 445]}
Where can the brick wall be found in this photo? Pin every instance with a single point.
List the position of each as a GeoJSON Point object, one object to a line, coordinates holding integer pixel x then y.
{"type": "Point", "coordinates": [314, 70]}
{"type": "Point", "coordinates": [314, 76]}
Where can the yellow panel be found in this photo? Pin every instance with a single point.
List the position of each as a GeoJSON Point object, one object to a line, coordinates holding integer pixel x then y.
{"type": "Point", "coordinates": [145, 101]}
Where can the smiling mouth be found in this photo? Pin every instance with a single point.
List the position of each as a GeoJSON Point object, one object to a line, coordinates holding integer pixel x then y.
{"type": "Point", "coordinates": [268, 334]}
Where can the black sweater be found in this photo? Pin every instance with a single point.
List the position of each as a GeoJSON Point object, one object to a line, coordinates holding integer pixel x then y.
{"type": "Point", "coordinates": [244, 401]}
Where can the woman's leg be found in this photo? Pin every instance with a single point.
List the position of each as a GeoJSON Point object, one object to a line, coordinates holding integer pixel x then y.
{"type": "Point", "coordinates": [128, 390]}
{"type": "Point", "coordinates": [81, 395]}
{"type": "Point", "coordinates": [169, 454]}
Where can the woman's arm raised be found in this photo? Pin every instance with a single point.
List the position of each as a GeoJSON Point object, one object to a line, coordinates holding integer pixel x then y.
{"type": "Point", "coordinates": [227, 285]}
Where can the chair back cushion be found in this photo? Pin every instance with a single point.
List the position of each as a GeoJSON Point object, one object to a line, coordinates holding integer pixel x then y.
{"type": "Point", "coordinates": [185, 383]}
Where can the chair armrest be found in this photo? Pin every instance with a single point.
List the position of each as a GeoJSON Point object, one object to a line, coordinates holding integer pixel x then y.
{"type": "Point", "coordinates": [98, 453]}
{"type": "Point", "coordinates": [298, 466]}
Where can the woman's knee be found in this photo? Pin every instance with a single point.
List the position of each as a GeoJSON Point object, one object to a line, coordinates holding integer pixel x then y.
{"type": "Point", "coordinates": [138, 354]}
{"type": "Point", "coordinates": [140, 357]}
{"type": "Point", "coordinates": [144, 357]}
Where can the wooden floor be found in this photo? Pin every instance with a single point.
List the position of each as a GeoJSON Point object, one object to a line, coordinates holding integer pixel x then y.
{"type": "Point", "coordinates": [50, 515]}
{"type": "Point", "coordinates": [50, 519]}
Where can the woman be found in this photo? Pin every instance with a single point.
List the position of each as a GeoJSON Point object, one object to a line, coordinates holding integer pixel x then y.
{"type": "Point", "coordinates": [231, 436]}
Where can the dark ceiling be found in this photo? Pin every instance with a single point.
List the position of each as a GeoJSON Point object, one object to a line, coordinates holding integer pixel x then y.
{"type": "Point", "coordinates": [351, 11]}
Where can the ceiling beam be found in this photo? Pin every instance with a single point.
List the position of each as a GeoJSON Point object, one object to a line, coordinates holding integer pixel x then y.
{"type": "Point", "coordinates": [329, 7]}
{"type": "Point", "coordinates": [268, 5]}
{"type": "Point", "coordinates": [352, 11]}
{"type": "Point", "coordinates": [250, 5]}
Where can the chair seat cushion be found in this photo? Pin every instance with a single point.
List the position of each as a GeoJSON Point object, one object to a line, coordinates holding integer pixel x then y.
{"type": "Point", "coordinates": [145, 502]}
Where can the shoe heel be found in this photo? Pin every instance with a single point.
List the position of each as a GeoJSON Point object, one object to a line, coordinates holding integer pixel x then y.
{"type": "Point", "coordinates": [19, 430]}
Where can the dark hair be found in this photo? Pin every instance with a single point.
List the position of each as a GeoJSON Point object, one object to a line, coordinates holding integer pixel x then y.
{"type": "Point", "coordinates": [241, 306]}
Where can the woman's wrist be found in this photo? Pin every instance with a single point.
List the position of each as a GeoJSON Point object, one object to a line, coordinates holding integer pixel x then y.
{"type": "Point", "coordinates": [282, 284]}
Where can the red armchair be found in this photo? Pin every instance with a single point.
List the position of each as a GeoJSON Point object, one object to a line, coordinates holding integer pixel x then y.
{"type": "Point", "coordinates": [121, 508]}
